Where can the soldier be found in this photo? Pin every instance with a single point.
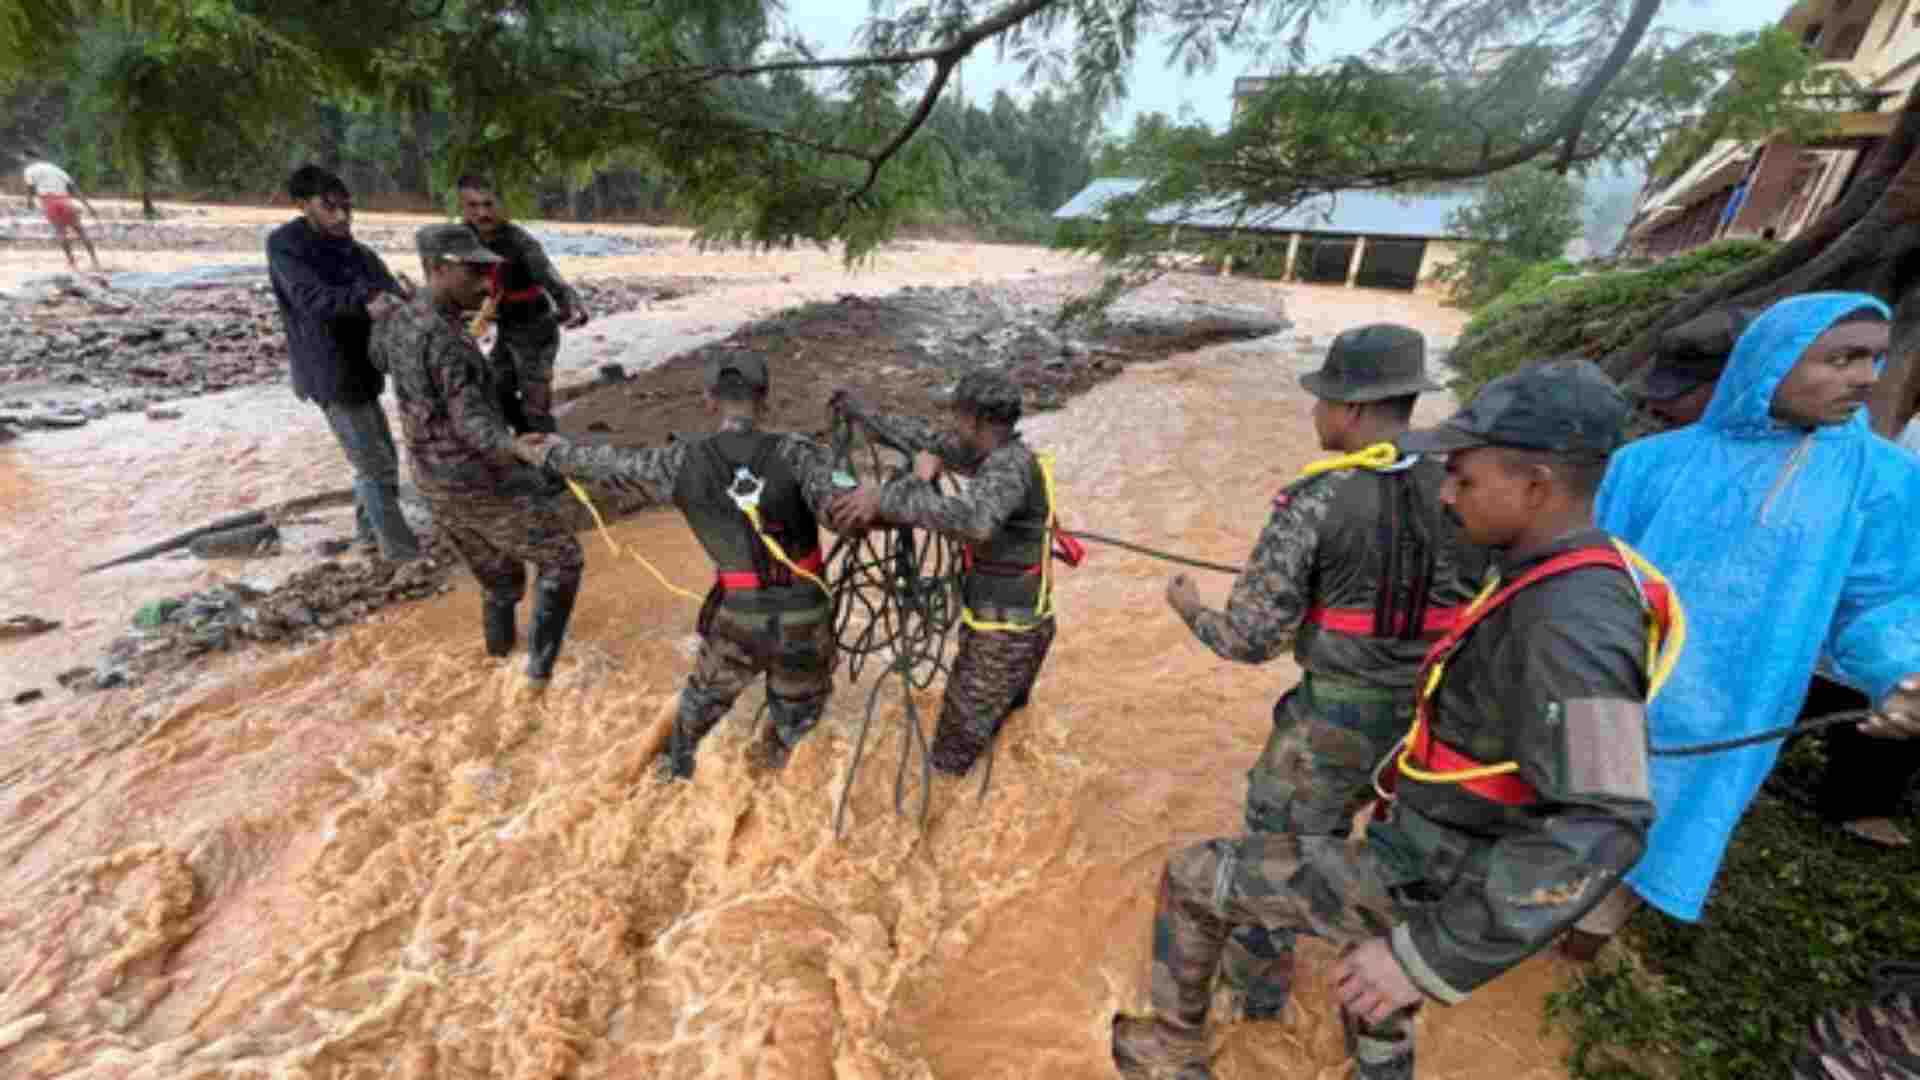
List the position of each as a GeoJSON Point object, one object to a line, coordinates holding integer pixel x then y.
{"type": "Point", "coordinates": [753, 499]}
{"type": "Point", "coordinates": [1522, 784]}
{"type": "Point", "coordinates": [1876, 1041]}
{"type": "Point", "coordinates": [1357, 572]}
{"type": "Point", "coordinates": [485, 503]}
{"type": "Point", "coordinates": [533, 303]}
{"type": "Point", "coordinates": [1005, 517]}
{"type": "Point", "coordinates": [1686, 368]}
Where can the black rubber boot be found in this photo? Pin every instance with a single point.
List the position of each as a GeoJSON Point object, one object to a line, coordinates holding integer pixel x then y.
{"type": "Point", "coordinates": [497, 622]}
{"type": "Point", "coordinates": [552, 607]}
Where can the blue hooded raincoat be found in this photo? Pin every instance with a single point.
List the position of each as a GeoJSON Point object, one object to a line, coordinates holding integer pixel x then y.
{"type": "Point", "coordinates": [1783, 544]}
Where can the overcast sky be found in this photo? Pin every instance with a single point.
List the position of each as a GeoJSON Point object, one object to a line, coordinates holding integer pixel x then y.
{"type": "Point", "coordinates": [832, 24]}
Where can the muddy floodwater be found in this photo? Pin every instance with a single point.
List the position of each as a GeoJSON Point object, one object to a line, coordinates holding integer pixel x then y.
{"type": "Point", "coordinates": [350, 860]}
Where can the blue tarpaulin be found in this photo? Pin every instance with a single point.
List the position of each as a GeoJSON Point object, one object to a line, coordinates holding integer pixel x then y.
{"type": "Point", "coordinates": [1783, 543]}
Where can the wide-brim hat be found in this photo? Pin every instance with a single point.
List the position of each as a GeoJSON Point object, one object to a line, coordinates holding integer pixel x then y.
{"type": "Point", "coordinates": [1372, 363]}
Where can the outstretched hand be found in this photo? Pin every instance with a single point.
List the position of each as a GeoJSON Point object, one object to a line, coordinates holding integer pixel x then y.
{"type": "Point", "coordinates": [1372, 984]}
{"type": "Point", "coordinates": [534, 447]}
{"type": "Point", "coordinates": [854, 510]}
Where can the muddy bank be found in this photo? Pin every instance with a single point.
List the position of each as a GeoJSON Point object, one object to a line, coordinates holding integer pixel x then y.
{"type": "Point", "coordinates": [117, 231]}
{"type": "Point", "coordinates": [73, 350]}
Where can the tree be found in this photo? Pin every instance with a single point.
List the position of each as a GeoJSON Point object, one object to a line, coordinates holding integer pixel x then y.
{"type": "Point", "coordinates": [1523, 216]}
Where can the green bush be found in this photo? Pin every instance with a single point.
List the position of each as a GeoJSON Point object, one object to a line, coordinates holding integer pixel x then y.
{"type": "Point", "coordinates": [1799, 916]}
{"type": "Point", "coordinates": [1538, 318]}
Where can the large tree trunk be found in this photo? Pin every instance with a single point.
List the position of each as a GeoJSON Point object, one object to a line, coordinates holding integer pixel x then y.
{"type": "Point", "coordinates": [1868, 242]}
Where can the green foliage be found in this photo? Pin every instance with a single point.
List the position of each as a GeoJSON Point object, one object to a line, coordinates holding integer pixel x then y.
{"type": "Point", "coordinates": [1538, 318]}
{"type": "Point", "coordinates": [1522, 217]}
{"type": "Point", "coordinates": [1798, 918]}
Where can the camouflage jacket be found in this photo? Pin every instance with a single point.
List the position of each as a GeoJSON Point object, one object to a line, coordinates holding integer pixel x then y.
{"type": "Point", "coordinates": [458, 439]}
{"type": "Point", "coordinates": [1001, 513]}
{"type": "Point", "coordinates": [1331, 542]}
{"type": "Point", "coordinates": [527, 267]}
{"type": "Point", "coordinates": [795, 496]}
{"type": "Point", "coordinates": [1556, 680]}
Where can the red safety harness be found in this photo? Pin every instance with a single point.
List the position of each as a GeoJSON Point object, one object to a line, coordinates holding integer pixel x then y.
{"type": "Point", "coordinates": [517, 296]}
{"type": "Point", "coordinates": [1423, 757]}
{"type": "Point", "coordinates": [1359, 622]}
{"type": "Point", "coordinates": [745, 580]}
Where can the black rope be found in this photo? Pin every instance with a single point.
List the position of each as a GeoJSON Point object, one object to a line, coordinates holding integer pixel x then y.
{"type": "Point", "coordinates": [896, 597]}
{"type": "Point", "coordinates": [1801, 728]}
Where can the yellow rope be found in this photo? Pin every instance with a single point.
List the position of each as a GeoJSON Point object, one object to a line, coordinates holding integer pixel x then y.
{"type": "Point", "coordinates": [581, 494]}
{"type": "Point", "coordinates": [1044, 606]}
{"type": "Point", "coordinates": [753, 515]}
{"type": "Point", "coordinates": [1376, 457]}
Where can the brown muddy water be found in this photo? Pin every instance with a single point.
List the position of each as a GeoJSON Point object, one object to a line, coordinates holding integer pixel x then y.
{"type": "Point", "coordinates": [353, 861]}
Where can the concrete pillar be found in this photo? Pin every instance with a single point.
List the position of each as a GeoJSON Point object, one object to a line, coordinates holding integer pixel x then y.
{"type": "Point", "coordinates": [1359, 255]}
{"type": "Point", "coordinates": [1293, 253]}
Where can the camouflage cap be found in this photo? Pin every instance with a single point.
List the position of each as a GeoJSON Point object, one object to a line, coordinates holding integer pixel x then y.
{"type": "Point", "coordinates": [750, 366]}
{"type": "Point", "coordinates": [455, 243]}
{"type": "Point", "coordinates": [1694, 353]}
{"type": "Point", "coordinates": [1370, 363]}
{"type": "Point", "coordinates": [1564, 406]}
{"type": "Point", "coordinates": [988, 393]}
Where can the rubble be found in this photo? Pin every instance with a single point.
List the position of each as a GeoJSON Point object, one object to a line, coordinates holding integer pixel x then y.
{"type": "Point", "coordinates": [73, 350]}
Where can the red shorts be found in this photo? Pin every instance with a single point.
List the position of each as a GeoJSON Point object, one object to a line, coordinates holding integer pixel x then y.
{"type": "Point", "coordinates": [59, 210]}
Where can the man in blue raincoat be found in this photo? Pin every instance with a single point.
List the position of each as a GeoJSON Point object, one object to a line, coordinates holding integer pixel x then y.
{"type": "Point", "coordinates": [1787, 528]}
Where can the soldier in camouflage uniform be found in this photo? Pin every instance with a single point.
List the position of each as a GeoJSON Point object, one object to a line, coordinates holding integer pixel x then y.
{"type": "Point", "coordinates": [1358, 573]}
{"type": "Point", "coordinates": [1004, 517]}
{"type": "Point", "coordinates": [1522, 793]}
{"type": "Point", "coordinates": [485, 503]}
{"type": "Point", "coordinates": [1876, 1041]}
{"type": "Point", "coordinates": [534, 303]}
{"type": "Point", "coordinates": [761, 616]}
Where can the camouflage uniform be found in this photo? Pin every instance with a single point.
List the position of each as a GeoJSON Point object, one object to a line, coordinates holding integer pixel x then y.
{"type": "Point", "coordinates": [1355, 571]}
{"type": "Point", "coordinates": [782, 627]}
{"type": "Point", "coordinates": [1877, 1041]}
{"type": "Point", "coordinates": [529, 327]}
{"type": "Point", "coordinates": [1002, 518]}
{"type": "Point", "coordinates": [484, 501]}
{"type": "Point", "coordinates": [1460, 887]}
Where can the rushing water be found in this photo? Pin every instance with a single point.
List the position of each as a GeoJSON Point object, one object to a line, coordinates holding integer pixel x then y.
{"type": "Point", "coordinates": [353, 861]}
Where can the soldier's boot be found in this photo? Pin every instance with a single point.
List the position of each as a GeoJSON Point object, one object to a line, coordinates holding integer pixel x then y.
{"type": "Point", "coordinates": [691, 722]}
{"type": "Point", "coordinates": [1379, 1056]}
{"type": "Point", "coordinates": [497, 623]}
{"type": "Point", "coordinates": [789, 720]}
{"type": "Point", "coordinates": [546, 630]}
{"type": "Point", "coordinates": [1149, 1048]}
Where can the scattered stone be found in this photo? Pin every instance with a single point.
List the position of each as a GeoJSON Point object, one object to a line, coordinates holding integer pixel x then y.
{"type": "Point", "coordinates": [599, 425]}
{"type": "Point", "coordinates": [243, 542]}
{"type": "Point", "coordinates": [26, 697]}
{"type": "Point", "coordinates": [19, 626]}
{"type": "Point", "coordinates": [613, 373]}
{"type": "Point", "coordinates": [155, 412]}
{"type": "Point", "coordinates": [75, 677]}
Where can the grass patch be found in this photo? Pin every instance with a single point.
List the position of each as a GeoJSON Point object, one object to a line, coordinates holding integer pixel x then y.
{"type": "Point", "coordinates": [1800, 915]}
{"type": "Point", "coordinates": [1540, 318]}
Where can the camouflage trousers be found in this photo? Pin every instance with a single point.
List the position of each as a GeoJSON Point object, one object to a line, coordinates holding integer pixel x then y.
{"type": "Point", "coordinates": [522, 362]}
{"type": "Point", "coordinates": [793, 648]}
{"type": "Point", "coordinates": [497, 537]}
{"type": "Point", "coordinates": [993, 672]}
{"type": "Point", "coordinates": [1880, 1041]}
{"type": "Point", "coordinates": [1291, 885]}
{"type": "Point", "coordinates": [1314, 775]}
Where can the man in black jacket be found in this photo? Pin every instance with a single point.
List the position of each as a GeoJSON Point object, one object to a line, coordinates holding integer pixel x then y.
{"type": "Point", "coordinates": [330, 290]}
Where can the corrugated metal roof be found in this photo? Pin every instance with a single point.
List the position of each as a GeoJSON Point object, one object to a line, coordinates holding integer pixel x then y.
{"type": "Point", "coordinates": [1368, 213]}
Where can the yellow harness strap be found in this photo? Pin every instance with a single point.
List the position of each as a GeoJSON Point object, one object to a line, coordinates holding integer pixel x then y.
{"type": "Point", "coordinates": [1374, 458]}
{"type": "Point", "coordinates": [1043, 608]}
{"type": "Point", "coordinates": [581, 494]}
{"type": "Point", "coordinates": [780, 553]}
